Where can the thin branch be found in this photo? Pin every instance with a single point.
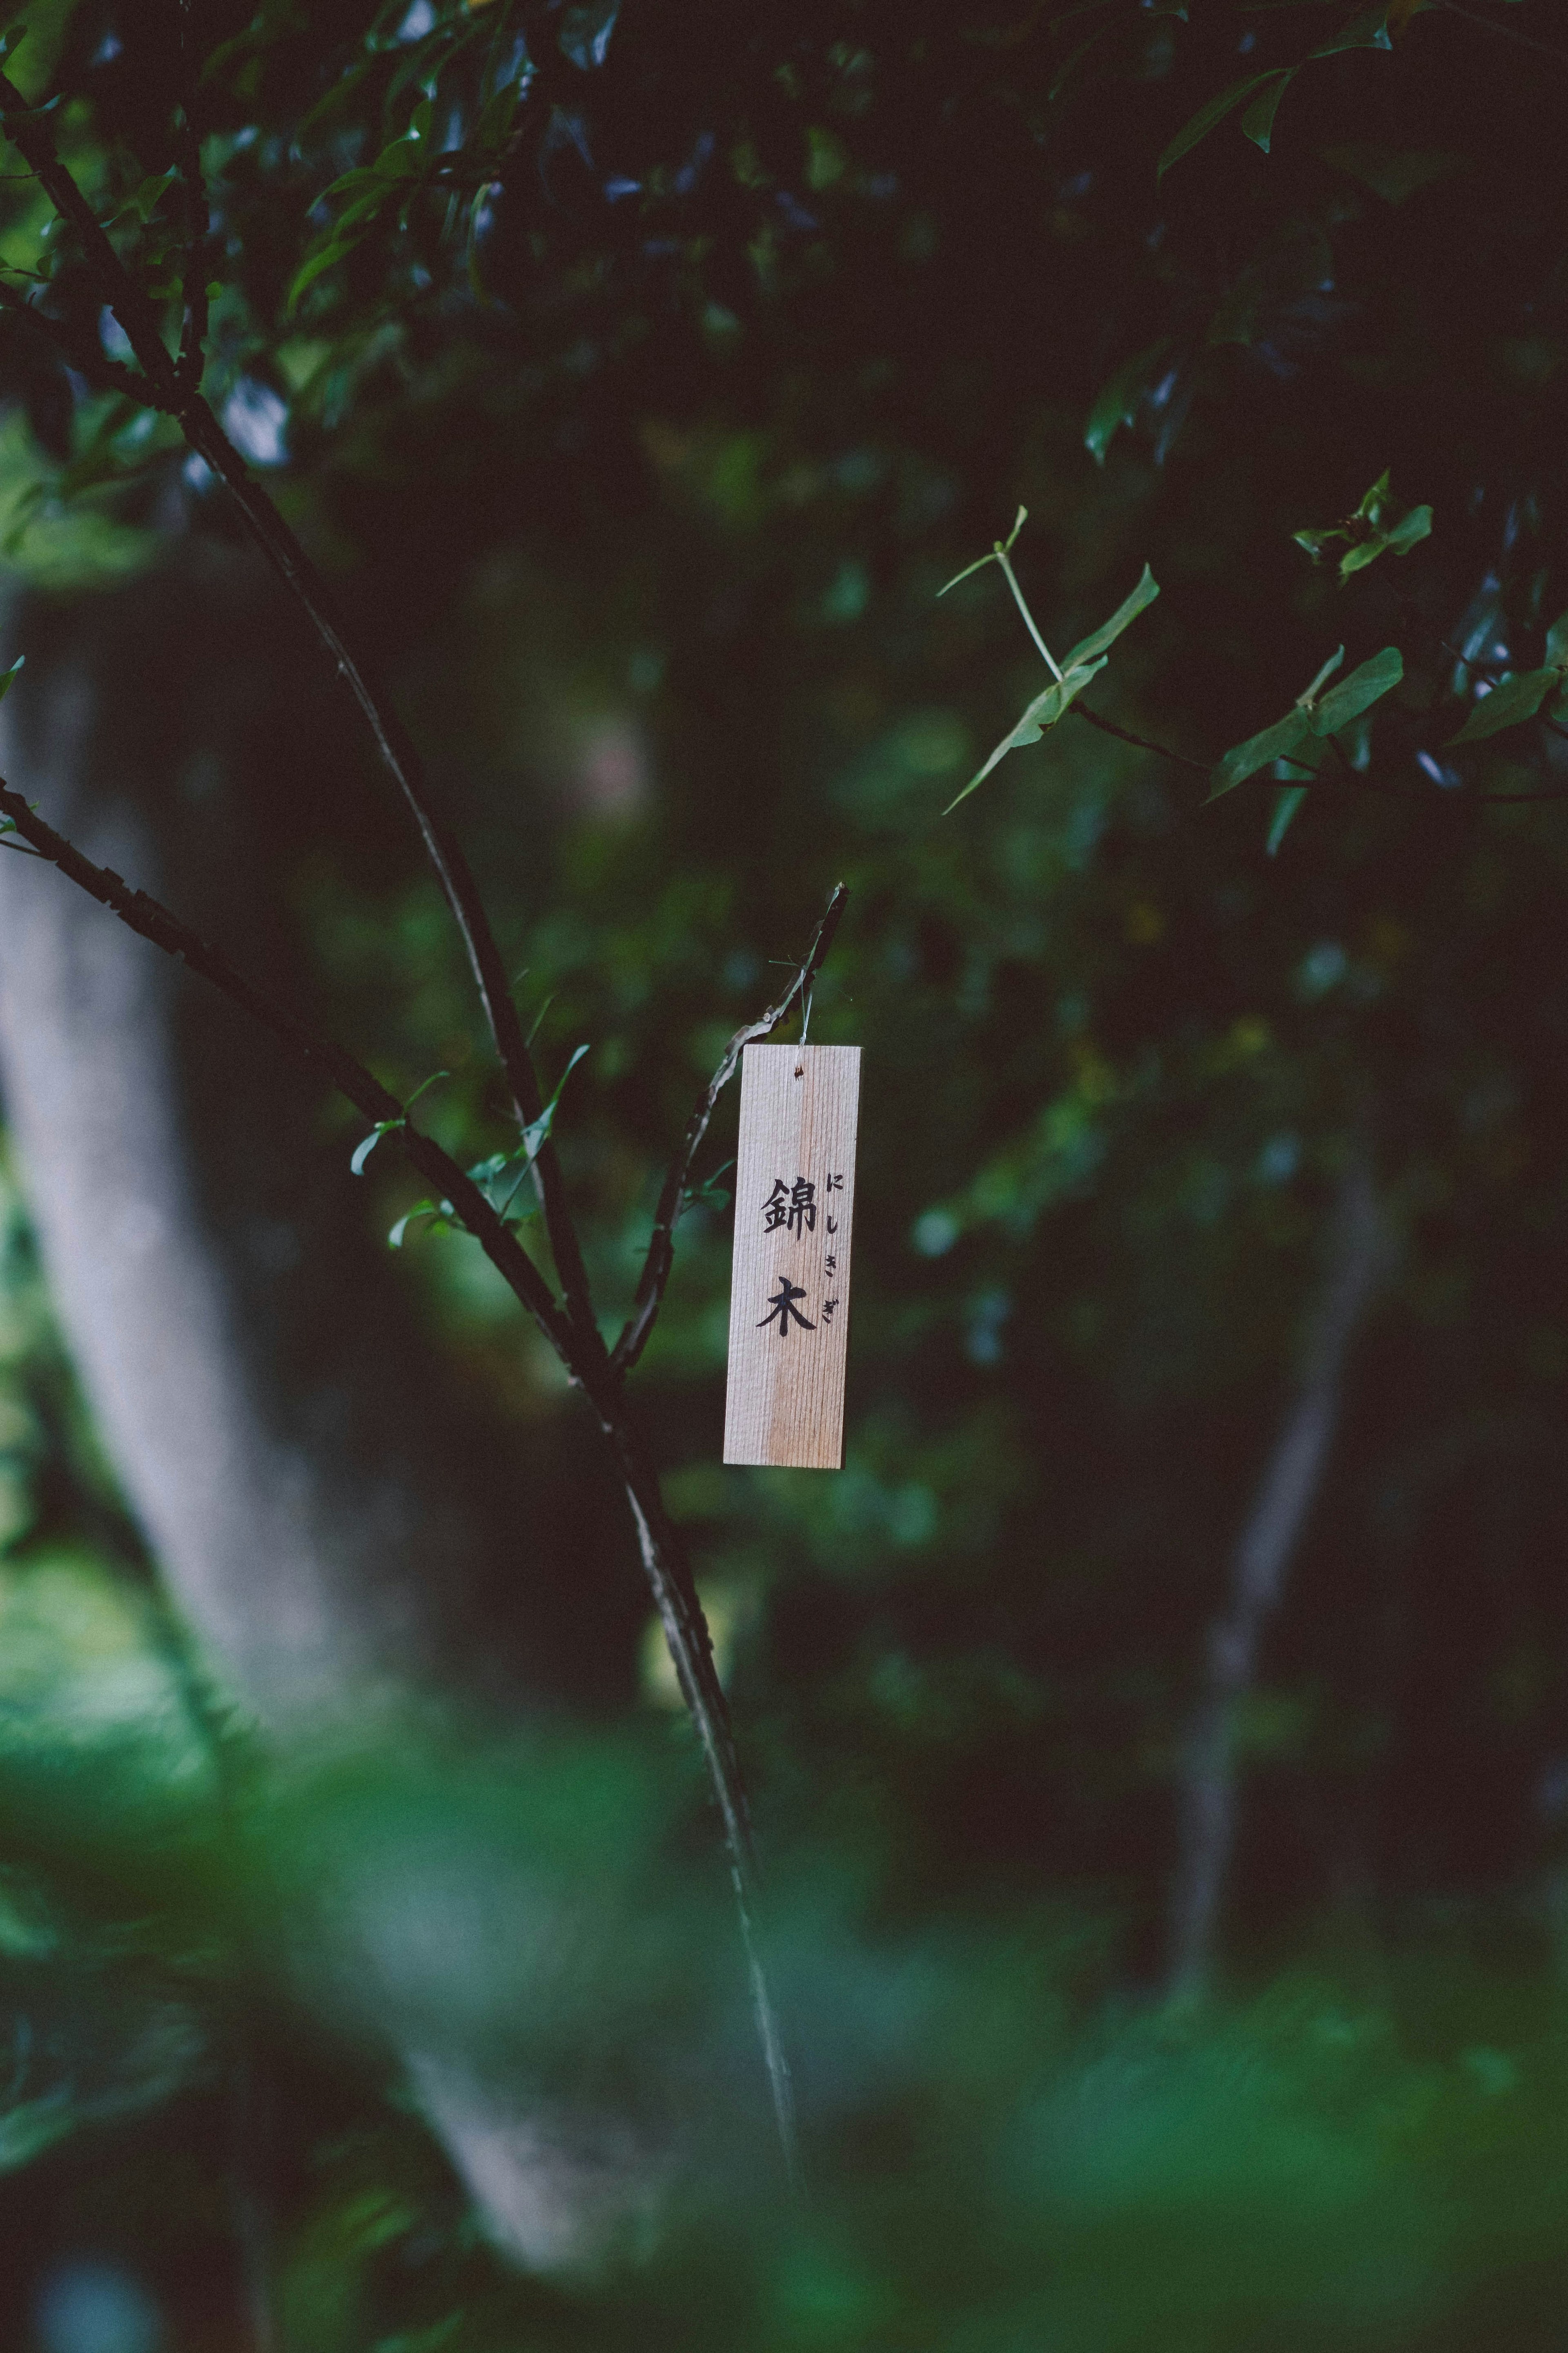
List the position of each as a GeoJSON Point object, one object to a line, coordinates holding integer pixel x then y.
{"type": "Point", "coordinates": [198, 221]}
{"type": "Point", "coordinates": [660, 1255]}
{"type": "Point", "coordinates": [1552, 793]}
{"type": "Point", "coordinates": [1141, 743]}
{"type": "Point", "coordinates": [84, 355]}
{"type": "Point", "coordinates": [1356, 777]}
{"type": "Point", "coordinates": [1022, 603]}
{"type": "Point", "coordinates": [181, 399]}
{"type": "Point", "coordinates": [690, 1647]}
{"type": "Point", "coordinates": [155, 922]}
{"type": "Point", "coordinates": [1488, 671]}
{"type": "Point", "coordinates": [32, 134]}
{"type": "Point", "coordinates": [1507, 32]}
{"type": "Point", "coordinates": [1349, 774]}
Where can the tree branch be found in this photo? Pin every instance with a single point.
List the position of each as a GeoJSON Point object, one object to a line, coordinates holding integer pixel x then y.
{"type": "Point", "coordinates": [1508, 32]}
{"type": "Point", "coordinates": [1141, 743]}
{"type": "Point", "coordinates": [572, 1331]}
{"type": "Point", "coordinates": [32, 134]}
{"type": "Point", "coordinates": [198, 221]}
{"type": "Point", "coordinates": [155, 922]}
{"type": "Point", "coordinates": [1488, 671]}
{"type": "Point", "coordinates": [664, 1557]}
{"type": "Point", "coordinates": [88, 357]}
{"type": "Point", "coordinates": [1354, 778]}
{"type": "Point", "coordinates": [179, 397]}
{"type": "Point", "coordinates": [660, 1256]}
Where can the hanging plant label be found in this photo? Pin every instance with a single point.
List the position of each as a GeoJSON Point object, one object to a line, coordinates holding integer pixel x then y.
{"type": "Point", "coordinates": [789, 1299]}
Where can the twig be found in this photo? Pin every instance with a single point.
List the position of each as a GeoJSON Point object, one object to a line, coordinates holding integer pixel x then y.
{"type": "Point", "coordinates": [1141, 743]}
{"type": "Point", "coordinates": [1488, 671]}
{"type": "Point", "coordinates": [198, 220]}
{"type": "Point", "coordinates": [660, 1255]}
{"type": "Point", "coordinates": [1348, 775]}
{"type": "Point", "coordinates": [1508, 32]}
{"type": "Point", "coordinates": [155, 922]}
{"type": "Point", "coordinates": [86, 358]}
{"type": "Point", "coordinates": [1552, 793]}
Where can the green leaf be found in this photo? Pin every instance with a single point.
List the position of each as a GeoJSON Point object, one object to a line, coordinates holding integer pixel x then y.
{"type": "Point", "coordinates": [1098, 642]}
{"type": "Point", "coordinates": [561, 1081]}
{"type": "Point", "coordinates": [1370, 532]}
{"type": "Point", "coordinates": [145, 201]}
{"type": "Point", "coordinates": [1417, 526]}
{"type": "Point", "coordinates": [1394, 173]}
{"type": "Point", "coordinates": [709, 1193]}
{"type": "Point", "coordinates": [1116, 404]}
{"type": "Point", "coordinates": [1071, 63]}
{"type": "Point", "coordinates": [1305, 701]}
{"type": "Point", "coordinates": [370, 186]}
{"type": "Point", "coordinates": [8, 678]}
{"type": "Point", "coordinates": [1286, 804]}
{"type": "Point", "coordinates": [495, 122]}
{"type": "Point", "coordinates": [1356, 559]}
{"type": "Point", "coordinates": [325, 257]}
{"type": "Point", "coordinates": [1044, 711]}
{"type": "Point", "coordinates": [1367, 31]}
{"type": "Point", "coordinates": [1358, 692]}
{"type": "Point", "coordinates": [1508, 704]}
{"type": "Point", "coordinates": [1205, 120]}
{"type": "Point", "coordinates": [441, 1213]}
{"type": "Point", "coordinates": [1243, 760]}
{"type": "Point", "coordinates": [584, 35]}
{"type": "Point", "coordinates": [1258, 120]}
{"type": "Point", "coordinates": [1373, 502]}
{"type": "Point", "coordinates": [1556, 645]}
{"type": "Point", "coordinates": [367, 1145]}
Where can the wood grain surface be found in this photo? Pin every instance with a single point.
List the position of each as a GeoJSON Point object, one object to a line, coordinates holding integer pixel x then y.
{"type": "Point", "coordinates": [789, 1299]}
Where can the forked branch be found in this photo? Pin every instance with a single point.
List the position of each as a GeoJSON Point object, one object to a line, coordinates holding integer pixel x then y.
{"type": "Point", "coordinates": [660, 1256]}
{"type": "Point", "coordinates": [664, 1558]}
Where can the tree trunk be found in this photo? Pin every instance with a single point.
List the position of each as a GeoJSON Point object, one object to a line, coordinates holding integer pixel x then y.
{"type": "Point", "coordinates": [339, 1538]}
{"type": "Point", "coordinates": [1259, 1566]}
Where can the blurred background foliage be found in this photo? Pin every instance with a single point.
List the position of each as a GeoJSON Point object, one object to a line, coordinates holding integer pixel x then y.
{"type": "Point", "coordinates": [640, 375]}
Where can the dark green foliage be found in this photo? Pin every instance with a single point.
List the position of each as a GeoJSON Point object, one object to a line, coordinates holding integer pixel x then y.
{"type": "Point", "coordinates": [641, 378]}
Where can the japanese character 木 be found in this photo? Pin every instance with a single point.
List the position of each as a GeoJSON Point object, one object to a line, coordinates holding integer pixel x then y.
{"type": "Point", "coordinates": [781, 1306]}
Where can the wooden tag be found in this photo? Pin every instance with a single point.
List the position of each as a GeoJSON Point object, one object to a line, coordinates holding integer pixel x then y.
{"type": "Point", "coordinates": [789, 1301]}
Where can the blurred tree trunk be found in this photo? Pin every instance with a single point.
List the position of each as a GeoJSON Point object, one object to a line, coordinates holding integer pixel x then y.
{"type": "Point", "coordinates": [1260, 1563]}
{"type": "Point", "coordinates": [340, 1537]}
